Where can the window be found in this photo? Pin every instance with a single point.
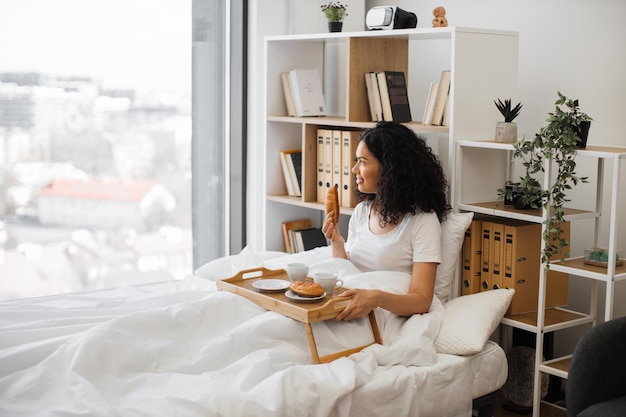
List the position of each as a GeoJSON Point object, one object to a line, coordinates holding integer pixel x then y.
{"type": "Point", "coordinates": [95, 144]}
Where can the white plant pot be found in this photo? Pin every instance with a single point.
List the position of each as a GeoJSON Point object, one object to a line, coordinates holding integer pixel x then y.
{"type": "Point", "coordinates": [506, 132]}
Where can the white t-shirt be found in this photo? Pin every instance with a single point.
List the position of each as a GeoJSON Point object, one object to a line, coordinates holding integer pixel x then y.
{"type": "Point", "coordinates": [416, 239]}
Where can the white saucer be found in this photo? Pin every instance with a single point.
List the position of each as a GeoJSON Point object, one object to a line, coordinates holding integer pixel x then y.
{"type": "Point", "coordinates": [271, 285]}
{"type": "Point", "coordinates": [295, 297]}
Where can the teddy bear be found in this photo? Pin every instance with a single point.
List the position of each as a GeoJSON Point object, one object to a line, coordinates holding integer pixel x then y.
{"type": "Point", "coordinates": [440, 17]}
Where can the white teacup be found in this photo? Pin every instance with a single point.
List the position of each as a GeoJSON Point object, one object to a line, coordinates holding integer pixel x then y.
{"type": "Point", "coordinates": [297, 271]}
{"type": "Point", "coordinates": [328, 280]}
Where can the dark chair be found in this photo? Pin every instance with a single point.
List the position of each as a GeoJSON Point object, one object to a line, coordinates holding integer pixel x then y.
{"type": "Point", "coordinates": [596, 383]}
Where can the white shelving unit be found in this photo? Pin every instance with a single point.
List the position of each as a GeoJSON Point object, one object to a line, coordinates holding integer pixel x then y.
{"type": "Point", "coordinates": [490, 162]}
{"type": "Point", "coordinates": [483, 64]}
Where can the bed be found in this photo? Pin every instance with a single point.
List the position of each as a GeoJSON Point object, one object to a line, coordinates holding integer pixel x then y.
{"type": "Point", "coordinates": [185, 348]}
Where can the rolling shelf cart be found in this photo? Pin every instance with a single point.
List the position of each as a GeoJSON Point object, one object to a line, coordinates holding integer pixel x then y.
{"type": "Point", "coordinates": [490, 162]}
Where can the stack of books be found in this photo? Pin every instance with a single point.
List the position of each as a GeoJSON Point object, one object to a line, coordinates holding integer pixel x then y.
{"type": "Point", "coordinates": [299, 236]}
{"type": "Point", "coordinates": [291, 164]}
{"type": "Point", "coordinates": [303, 92]}
{"type": "Point", "coordinates": [387, 96]}
{"type": "Point", "coordinates": [436, 110]}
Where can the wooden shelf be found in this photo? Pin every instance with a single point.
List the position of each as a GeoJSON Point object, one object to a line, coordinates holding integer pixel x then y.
{"type": "Point", "coordinates": [558, 367]}
{"type": "Point", "coordinates": [577, 266]}
{"type": "Point", "coordinates": [297, 201]}
{"type": "Point", "coordinates": [555, 319]}
{"type": "Point", "coordinates": [342, 122]}
{"type": "Point", "coordinates": [498, 208]}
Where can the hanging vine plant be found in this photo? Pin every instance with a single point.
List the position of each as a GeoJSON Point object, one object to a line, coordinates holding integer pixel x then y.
{"type": "Point", "coordinates": [557, 141]}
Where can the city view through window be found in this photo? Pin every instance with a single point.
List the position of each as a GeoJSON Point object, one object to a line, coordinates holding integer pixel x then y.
{"type": "Point", "coordinates": [95, 144]}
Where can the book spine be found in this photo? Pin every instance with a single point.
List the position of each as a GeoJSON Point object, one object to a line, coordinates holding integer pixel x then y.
{"type": "Point", "coordinates": [285, 168]}
{"type": "Point", "coordinates": [376, 96]}
{"type": "Point", "coordinates": [370, 99]}
{"type": "Point", "coordinates": [398, 96]}
{"type": "Point", "coordinates": [289, 104]}
{"type": "Point", "coordinates": [442, 95]}
{"type": "Point", "coordinates": [384, 96]}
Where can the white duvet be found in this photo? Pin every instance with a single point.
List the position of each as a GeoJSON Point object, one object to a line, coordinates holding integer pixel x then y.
{"type": "Point", "coordinates": [185, 349]}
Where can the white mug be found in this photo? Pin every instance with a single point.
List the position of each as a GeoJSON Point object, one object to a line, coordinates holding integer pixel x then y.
{"type": "Point", "coordinates": [328, 280]}
{"type": "Point", "coordinates": [297, 271]}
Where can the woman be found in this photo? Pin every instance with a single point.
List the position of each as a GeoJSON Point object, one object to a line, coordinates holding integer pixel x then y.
{"type": "Point", "coordinates": [396, 225]}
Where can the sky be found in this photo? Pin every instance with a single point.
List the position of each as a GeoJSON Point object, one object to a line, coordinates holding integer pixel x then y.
{"type": "Point", "coordinates": [141, 44]}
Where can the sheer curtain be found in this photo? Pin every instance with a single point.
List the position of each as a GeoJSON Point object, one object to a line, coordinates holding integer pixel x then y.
{"type": "Point", "coordinates": [219, 128]}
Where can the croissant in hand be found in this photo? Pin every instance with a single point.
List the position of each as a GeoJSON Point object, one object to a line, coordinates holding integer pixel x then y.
{"type": "Point", "coordinates": [332, 203]}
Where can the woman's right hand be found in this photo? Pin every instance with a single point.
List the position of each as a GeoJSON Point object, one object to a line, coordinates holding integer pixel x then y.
{"type": "Point", "coordinates": [331, 231]}
{"type": "Point", "coordinates": [337, 242]}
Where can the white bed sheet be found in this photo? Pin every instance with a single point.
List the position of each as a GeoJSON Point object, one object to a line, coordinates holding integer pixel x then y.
{"type": "Point", "coordinates": [159, 350]}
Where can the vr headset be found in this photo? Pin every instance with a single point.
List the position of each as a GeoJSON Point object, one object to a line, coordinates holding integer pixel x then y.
{"type": "Point", "coordinates": [389, 17]}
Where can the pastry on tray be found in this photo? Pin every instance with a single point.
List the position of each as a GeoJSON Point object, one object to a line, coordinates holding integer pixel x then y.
{"type": "Point", "coordinates": [306, 289]}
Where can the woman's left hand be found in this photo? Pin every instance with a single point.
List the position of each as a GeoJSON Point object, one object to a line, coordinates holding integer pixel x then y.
{"type": "Point", "coordinates": [363, 301]}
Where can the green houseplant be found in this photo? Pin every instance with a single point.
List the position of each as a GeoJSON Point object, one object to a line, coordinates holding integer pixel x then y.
{"type": "Point", "coordinates": [558, 142]}
{"type": "Point", "coordinates": [506, 131]}
{"type": "Point", "coordinates": [335, 12]}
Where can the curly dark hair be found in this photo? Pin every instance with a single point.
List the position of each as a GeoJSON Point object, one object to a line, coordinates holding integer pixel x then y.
{"type": "Point", "coordinates": [411, 176]}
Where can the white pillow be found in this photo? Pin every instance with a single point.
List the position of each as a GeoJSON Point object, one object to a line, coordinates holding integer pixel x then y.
{"type": "Point", "coordinates": [470, 320]}
{"type": "Point", "coordinates": [453, 230]}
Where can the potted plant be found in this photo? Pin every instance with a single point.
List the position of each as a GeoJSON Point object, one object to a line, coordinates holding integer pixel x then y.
{"type": "Point", "coordinates": [507, 131]}
{"type": "Point", "coordinates": [557, 141]}
{"type": "Point", "coordinates": [335, 12]}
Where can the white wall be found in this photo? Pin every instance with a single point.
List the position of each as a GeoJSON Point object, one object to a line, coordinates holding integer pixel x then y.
{"type": "Point", "coordinates": [573, 46]}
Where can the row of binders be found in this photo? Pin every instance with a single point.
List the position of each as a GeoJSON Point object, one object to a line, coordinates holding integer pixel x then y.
{"type": "Point", "coordinates": [336, 150]}
{"type": "Point", "coordinates": [505, 253]}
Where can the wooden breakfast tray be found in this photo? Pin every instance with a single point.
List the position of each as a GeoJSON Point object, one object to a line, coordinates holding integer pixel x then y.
{"type": "Point", "coordinates": [307, 313]}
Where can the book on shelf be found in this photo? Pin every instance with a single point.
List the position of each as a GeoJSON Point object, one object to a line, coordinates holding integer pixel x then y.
{"type": "Point", "coordinates": [289, 104]}
{"type": "Point", "coordinates": [307, 239]}
{"type": "Point", "coordinates": [307, 92]}
{"type": "Point", "coordinates": [285, 168]}
{"type": "Point", "coordinates": [442, 95]}
{"type": "Point", "coordinates": [291, 162]}
{"type": "Point", "coordinates": [394, 96]}
{"type": "Point", "coordinates": [288, 227]}
{"type": "Point", "coordinates": [375, 97]}
{"type": "Point", "coordinates": [370, 100]}
{"type": "Point", "coordinates": [295, 169]}
{"type": "Point", "coordinates": [430, 103]}
{"type": "Point", "coordinates": [446, 113]}
{"type": "Point", "coordinates": [349, 139]}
